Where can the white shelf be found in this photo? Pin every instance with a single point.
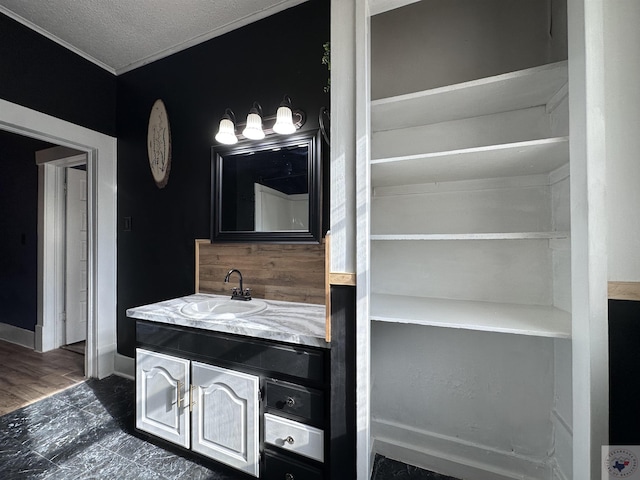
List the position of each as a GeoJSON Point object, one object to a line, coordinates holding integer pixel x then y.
{"type": "Point", "coordinates": [532, 320]}
{"type": "Point", "coordinates": [380, 6]}
{"type": "Point", "coordinates": [493, 161]}
{"type": "Point", "coordinates": [473, 236]}
{"type": "Point", "coordinates": [501, 93]}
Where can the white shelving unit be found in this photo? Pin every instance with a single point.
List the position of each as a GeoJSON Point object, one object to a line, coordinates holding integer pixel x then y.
{"type": "Point", "coordinates": [470, 222]}
{"type": "Point", "coordinates": [380, 6]}
{"type": "Point", "coordinates": [509, 160]}
{"type": "Point", "coordinates": [501, 93]}
{"type": "Point", "coordinates": [477, 256]}
{"type": "Point", "coordinates": [536, 320]}
{"type": "Point", "coordinates": [475, 236]}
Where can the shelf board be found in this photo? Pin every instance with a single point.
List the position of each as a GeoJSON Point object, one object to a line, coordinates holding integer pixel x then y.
{"type": "Point", "coordinates": [501, 93]}
{"type": "Point", "coordinates": [493, 161]}
{"type": "Point", "coordinates": [380, 6]}
{"type": "Point", "coordinates": [473, 236]}
{"type": "Point", "coordinates": [533, 320]}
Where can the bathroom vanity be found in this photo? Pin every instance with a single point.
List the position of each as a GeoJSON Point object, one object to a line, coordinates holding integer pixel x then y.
{"type": "Point", "coordinates": [251, 391]}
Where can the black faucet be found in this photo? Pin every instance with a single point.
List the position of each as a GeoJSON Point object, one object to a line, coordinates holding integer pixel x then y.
{"type": "Point", "coordinates": [238, 294]}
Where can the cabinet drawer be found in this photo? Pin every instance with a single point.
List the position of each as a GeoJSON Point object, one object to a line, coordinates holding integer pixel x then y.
{"type": "Point", "coordinates": [294, 436]}
{"type": "Point", "coordinates": [291, 399]}
{"type": "Point", "coordinates": [233, 350]}
{"type": "Point", "coordinates": [280, 468]}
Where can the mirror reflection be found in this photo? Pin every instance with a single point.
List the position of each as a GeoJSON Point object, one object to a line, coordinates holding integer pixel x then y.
{"type": "Point", "coordinates": [269, 191]}
{"type": "Point", "coordinates": [266, 191]}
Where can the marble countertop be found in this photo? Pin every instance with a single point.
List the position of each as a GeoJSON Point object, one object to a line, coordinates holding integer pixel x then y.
{"type": "Point", "coordinates": [290, 322]}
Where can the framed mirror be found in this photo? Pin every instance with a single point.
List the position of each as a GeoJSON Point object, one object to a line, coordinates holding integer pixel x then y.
{"type": "Point", "coordinates": [268, 191]}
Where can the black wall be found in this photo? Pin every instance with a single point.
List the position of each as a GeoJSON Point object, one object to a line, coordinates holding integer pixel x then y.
{"type": "Point", "coordinates": [44, 76]}
{"type": "Point", "coordinates": [39, 74]}
{"type": "Point", "coordinates": [18, 227]}
{"type": "Point", "coordinates": [261, 62]}
{"type": "Point", "coordinates": [624, 372]}
{"type": "Point", "coordinates": [343, 381]}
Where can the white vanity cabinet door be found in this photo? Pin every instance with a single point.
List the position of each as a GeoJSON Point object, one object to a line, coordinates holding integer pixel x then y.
{"type": "Point", "coordinates": [161, 388]}
{"type": "Point", "coordinates": [225, 416]}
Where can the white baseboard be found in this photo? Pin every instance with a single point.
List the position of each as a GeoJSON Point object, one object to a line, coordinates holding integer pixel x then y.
{"type": "Point", "coordinates": [125, 366]}
{"type": "Point", "coordinates": [452, 456]}
{"type": "Point", "coordinates": [17, 335]}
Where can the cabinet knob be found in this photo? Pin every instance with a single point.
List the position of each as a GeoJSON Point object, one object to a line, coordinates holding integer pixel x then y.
{"type": "Point", "coordinates": [288, 476]}
{"type": "Point", "coordinates": [289, 440]}
{"type": "Point", "coordinates": [290, 401]}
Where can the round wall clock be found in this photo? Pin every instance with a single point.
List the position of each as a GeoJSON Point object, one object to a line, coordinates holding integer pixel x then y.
{"type": "Point", "coordinates": [159, 143]}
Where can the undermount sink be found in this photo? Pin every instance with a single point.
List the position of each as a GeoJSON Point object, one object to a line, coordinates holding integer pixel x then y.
{"type": "Point", "coordinates": [222, 308]}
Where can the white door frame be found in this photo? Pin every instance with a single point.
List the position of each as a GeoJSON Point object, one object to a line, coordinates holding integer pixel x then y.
{"type": "Point", "coordinates": [52, 164]}
{"type": "Point", "coordinates": [101, 212]}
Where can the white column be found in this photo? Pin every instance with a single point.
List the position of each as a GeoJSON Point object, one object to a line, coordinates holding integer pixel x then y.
{"type": "Point", "coordinates": [588, 236]}
{"type": "Point", "coordinates": [350, 186]}
{"type": "Point", "coordinates": [343, 138]}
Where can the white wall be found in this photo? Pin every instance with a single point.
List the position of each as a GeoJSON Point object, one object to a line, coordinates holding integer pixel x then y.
{"type": "Point", "coordinates": [451, 41]}
{"type": "Point", "coordinates": [622, 97]}
{"type": "Point", "coordinates": [483, 397]}
{"type": "Point", "coordinates": [500, 400]}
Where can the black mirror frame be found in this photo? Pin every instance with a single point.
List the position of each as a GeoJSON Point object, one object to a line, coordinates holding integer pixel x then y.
{"type": "Point", "coordinates": [314, 179]}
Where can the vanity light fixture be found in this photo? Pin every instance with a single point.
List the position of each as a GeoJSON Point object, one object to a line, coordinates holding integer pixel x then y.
{"type": "Point", "coordinates": [253, 130]}
{"type": "Point", "coordinates": [285, 122]}
{"type": "Point", "coordinates": [284, 118]}
{"type": "Point", "coordinates": [227, 129]}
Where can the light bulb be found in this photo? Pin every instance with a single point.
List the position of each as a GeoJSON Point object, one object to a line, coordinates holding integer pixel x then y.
{"type": "Point", "coordinates": [226, 132]}
{"type": "Point", "coordinates": [253, 130]}
{"type": "Point", "coordinates": [284, 121]}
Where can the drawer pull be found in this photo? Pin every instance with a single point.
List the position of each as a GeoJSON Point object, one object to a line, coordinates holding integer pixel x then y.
{"type": "Point", "coordinates": [291, 402]}
{"type": "Point", "coordinates": [288, 476]}
{"type": "Point", "coordinates": [289, 440]}
{"type": "Point", "coordinates": [179, 394]}
{"type": "Point", "coordinates": [192, 398]}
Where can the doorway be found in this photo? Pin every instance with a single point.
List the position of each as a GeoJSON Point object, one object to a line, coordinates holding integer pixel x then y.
{"type": "Point", "coordinates": [100, 150]}
{"type": "Point", "coordinates": [64, 171]}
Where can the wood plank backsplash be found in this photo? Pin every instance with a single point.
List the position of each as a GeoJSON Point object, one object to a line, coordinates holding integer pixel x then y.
{"type": "Point", "coordinates": [288, 272]}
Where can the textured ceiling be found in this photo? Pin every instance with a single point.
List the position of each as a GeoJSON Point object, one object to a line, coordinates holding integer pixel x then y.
{"type": "Point", "coordinates": [120, 35]}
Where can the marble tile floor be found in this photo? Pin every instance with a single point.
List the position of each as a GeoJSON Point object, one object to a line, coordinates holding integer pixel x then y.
{"type": "Point", "coordinates": [86, 432]}
{"type": "Point", "coordinates": [387, 469]}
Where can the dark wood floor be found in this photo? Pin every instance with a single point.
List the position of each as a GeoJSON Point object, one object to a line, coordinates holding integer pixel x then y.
{"type": "Point", "coordinates": [27, 376]}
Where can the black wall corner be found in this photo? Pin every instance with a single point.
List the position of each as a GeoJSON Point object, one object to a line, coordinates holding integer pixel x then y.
{"type": "Point", "coordinates": [624, 372]}
{"type": "Point", "coordinates": [343, 383]}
